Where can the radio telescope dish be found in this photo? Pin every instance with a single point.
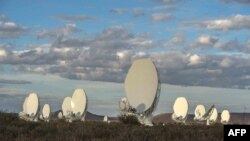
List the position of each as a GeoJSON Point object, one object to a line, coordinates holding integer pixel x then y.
{"type": "Point", "coordinates": [105, 118]}
{"type": "Point", "coordinates": [32, 105]}
{"type": "Point", "coordinates": [46, 112]}
{"type": "Point", "coordinates": [60, 116]}
{"type": "Point", "coordinates": [213, 117]}
{"type": "Point", "coordinates": [180, 109]}
{"type": "Point", "coordinates": [66, 107]}
{"type": "Point", "coordinates": [41, 117]}
{"type": "Point", "coordinates": [123, 104]}
{"type": "Point", "coordinates": [25, 105]}
{"type": "Point", "coordinates": [199, 112]}
{"type": "Point", "coordinates": [142, 88]}
{"type": "Point", "coordinates": [30, 108]}
{"type": "Point", "coordinates": [225, 117]}
{"type": "Point", "coordinates": [141, 85]}
{"type": "Point", "coordinates": [79, 102]}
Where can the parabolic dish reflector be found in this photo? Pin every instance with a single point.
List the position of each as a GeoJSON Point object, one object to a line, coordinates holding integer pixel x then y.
{"type": "Point", "coordinates": [214, 115]}
{"type": "Point", "coordinates": [66, 106]}
{"type": "Point", "coordinates": [32, 104]}
{"type": "Point", "coordinates": [25, 105]}
{"type": "Point", "coordinates": [79, 102]}
{"type": "Point", "coordinates": [123, 104]}
{"type": "Point", "coordinates": [180, 107]}
{"type": "Point", "coordinates": [105, 118]}
{"type": "Point", "coordinates": [199, 111]}
{"type": "Point", "coordinates": [225, 116]}
{"type": "Point", "coordinates": [141, 84]}
{"type": "Point", "coordinates": [60, 116]}
{"type": "Point", "coordinates": [46, 111]}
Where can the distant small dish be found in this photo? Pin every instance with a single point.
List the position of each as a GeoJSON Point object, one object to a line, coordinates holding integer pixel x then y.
{"type": "Point", "coordinates": [199, 112]}
{"type": "Point", "coordinates": [46, 112]}
{"type": "Point", "coordinates": [180, 109]}
{"type": "Point", "coordinates": [225, 117]}
{"type": "Point", "coordinates": [213, 116]}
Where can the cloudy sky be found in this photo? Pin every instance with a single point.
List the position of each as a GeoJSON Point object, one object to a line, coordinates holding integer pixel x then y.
{"type": "Point", "coordinates": [201, 49]}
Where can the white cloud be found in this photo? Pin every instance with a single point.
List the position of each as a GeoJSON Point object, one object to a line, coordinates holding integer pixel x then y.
{"type": "Point", "coordinates": [232, 23]}
{"type": "Point", "coordinates": [226, 62]}
{"type": "Point", "coordinates": [74, 18]}
{"type": "Point", "coordinates": [177, 39]}
{"type": "Point", "coordinates": [231, 45]}
{"type": "Point", "coordinates": [194, 60]}
{"type": "Point", "coordinates": [9, 29]}
{"type": "Point", "coordinates": [206, 40]}
{"type": "Point", "coordinates": [3, 18]}
{"type": "Point", "coordinates": [164, 7]}
{"type": "Point", "coordinates": [161, 17]}
{"type": "Point", "coordinates": [140, 42]}
{"type": "Point", "coordinates": [245, 77]}
{"type": "Point", "coordinates": [59, 33]}
{"type": "Point", "coordinates": [62, 49]}
{"type": "Point", "coordinates": [119, 10]}
{"type": "Point", "coordinates": [108, 55]}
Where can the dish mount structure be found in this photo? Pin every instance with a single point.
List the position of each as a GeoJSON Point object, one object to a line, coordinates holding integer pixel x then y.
{"type": "Point", "coordinates": [142, 87]}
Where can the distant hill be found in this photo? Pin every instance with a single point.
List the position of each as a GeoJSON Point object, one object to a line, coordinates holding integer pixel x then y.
{"type": "Point", "coordinates": [89, 116]}
{"type": "Point", "coordinates": [236, 118]}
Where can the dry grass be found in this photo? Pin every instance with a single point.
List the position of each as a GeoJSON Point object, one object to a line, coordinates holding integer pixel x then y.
{"type": "Point", "coordinates": [12, 128]}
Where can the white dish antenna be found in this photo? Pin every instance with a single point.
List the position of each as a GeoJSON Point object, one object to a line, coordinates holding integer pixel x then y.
{"type": "Point", "coordinates": [123, 104]}
{"type": "Point", "coordinates": [30, 108]}
{"type": "Point", "coordinates": [213, 117]}
{"type": "Point", "coordinates": [105, 118]}
{"type": "Point", "coordinates": [60, 116]}
{"type": "Point", "coordinates": [141, 85]}
{"type": "Point", "coordinates": [32, 105]}
{"type": "Point", "coordinates": [79, 102]}
{"type": "Point", "coordinates": [66, 107]}
{"type": "Point", "coordinates": [46, 111]}
{"type": "Point", "coordinates": [180, 109]}
{"type": "Point", "coordinates": [225, 116]}
{"type": "Point", "coordinates": [25, 105]}
{"type": "Point", "coordinates": [199, 112]}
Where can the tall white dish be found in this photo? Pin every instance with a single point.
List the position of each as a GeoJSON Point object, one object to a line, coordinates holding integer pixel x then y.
{"type": "Point", "coordinates": [67, 109]}
{"type": "Point", "coordinates": [142, 90]}
{"type": "Point", "coordinates": [79, 104]}
{"type": "Point", "coordinates": [30, 108]}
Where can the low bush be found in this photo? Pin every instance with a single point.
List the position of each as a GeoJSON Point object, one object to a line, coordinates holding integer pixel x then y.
{"type": "Point", "coordinates": [12, 128]}
{"type": "Point", "coordinates": [128, 119]}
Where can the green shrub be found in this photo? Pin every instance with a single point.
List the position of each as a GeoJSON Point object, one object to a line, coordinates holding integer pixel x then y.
{"type": "Point", "coordinates": [129, 119]}
{"type": "Point", "coordinates": [11, 128]}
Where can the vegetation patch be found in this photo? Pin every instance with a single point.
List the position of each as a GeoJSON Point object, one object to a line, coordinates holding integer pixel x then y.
{"type": "Point", "coordinates": [13, 128]}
